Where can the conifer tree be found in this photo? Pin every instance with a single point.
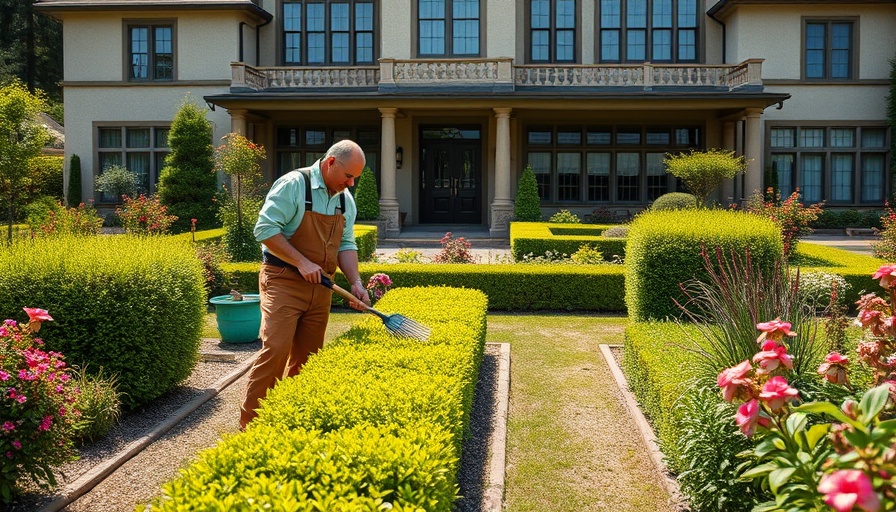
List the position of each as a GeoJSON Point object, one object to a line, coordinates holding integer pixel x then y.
{"type": "Point", "coordinates": [74, 181]}
{"type": "Point", "coordinates": [526, 207]}
{"type": "Point", "coordinates": [366, 197]}
{"type": "Point", "coordinates": [187, 184]}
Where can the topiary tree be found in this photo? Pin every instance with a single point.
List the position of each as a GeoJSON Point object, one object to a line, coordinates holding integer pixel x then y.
{"type": "Point", "coordinates": [366, 197]}
{"type": "Point", "coordinates": [703, 171]}
{"type": "Point", "coordinates": [21, 138]}
{"type": "Point", "coordinates": [526, 208]}
{"type": "Point", "coordinates": [240, 159]}
{"type": "Point", "coordinates": [74, 181]}
{"type": "Point", "coordinates": [118, 182]}
{"type": "Point", "coordinates": [674, 201]}
{"type": "Point", "coordinates": [187, 183]}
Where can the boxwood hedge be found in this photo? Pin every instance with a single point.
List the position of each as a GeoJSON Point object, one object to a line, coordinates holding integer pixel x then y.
{"type": "Point", "coordinates": [536, 238]}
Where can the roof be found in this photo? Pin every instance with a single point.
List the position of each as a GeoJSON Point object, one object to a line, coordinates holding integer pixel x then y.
{"type": "Point", "coordinates": [53, 7]}
{"type": "Point", "coordinates": [724, 7]}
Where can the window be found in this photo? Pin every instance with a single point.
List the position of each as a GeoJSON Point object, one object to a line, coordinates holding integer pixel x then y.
{"type": "Point", "coordinates": [139, 149]}
{"type": "Point", "coordinates": [610, 164]}
{"type": "Point", "coordinates": [828, 50]}
{"type": "Point", "coordinates": [328, 32]}
{"type": "Point", "coordinates": [301, 146]}
{"type": "Point", "coordinates": [448, 28]}
{"type": "Point", "coordinates": [552, 30]}
{"type": "Point", "coordinates": [841, 165]}
{"type": "Point", "coordinates": [647, 30]}
{"type": "Point", "coordinates": [151, 51]}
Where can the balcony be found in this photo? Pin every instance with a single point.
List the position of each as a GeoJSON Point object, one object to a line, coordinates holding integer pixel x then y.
{"type": "Point", "coordinates": [499, 74]}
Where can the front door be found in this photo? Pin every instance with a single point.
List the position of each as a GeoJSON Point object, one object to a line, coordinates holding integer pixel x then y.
{"type": "Point", "coordinates": [451, 179]}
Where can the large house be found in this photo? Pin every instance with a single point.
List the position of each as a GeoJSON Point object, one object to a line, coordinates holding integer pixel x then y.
{"type": "Point", "coordinates": [452, 99]}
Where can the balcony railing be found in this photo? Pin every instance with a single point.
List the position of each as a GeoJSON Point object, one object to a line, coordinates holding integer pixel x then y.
{"type": "Point", "coordinates": [394, 73]}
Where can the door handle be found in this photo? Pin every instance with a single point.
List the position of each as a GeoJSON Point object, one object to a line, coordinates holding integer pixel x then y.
{"type": "Point", "coordinates": [456, 182]}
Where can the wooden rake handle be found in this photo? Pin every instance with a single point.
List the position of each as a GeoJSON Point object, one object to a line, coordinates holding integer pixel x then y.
{"type": "Point", "coordinates": [347, 295]}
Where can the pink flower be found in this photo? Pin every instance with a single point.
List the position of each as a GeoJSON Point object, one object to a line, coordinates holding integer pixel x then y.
{"type": "Point", "coordinates": [4, 375]}
{"type": "Point", "coordinates": [775, 330]}
{"type": "Point", "coordinates": [834, 368]}
{"type": "Point", "coordinates": [38, 315]}
{"type": "Point", "coordinates": [887, 275]}
{"type": "Point", "coordinates": [777, 392]}
{"type": "Point", "coordinates": [17, 445]}
{"type": "Point", "coordinates": [847, 488]}
{"type": "Point", "coordinates": [731, 380]}
{"type": "Point", "coordinates": [8, 426]}
{"type": "Point", "coordinates": [46, 423]}
{"type": "Point", "coordinates": [771, 356]}
{"type": "Point", "coordinates": [748, 416]}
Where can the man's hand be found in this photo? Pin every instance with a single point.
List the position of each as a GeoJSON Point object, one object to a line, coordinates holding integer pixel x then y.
{"type": "Point", "coordinates": [311, 272]}
{"type": "Point", "coordinates": [359, 291]}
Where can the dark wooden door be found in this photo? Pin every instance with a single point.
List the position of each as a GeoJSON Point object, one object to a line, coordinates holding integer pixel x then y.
{"type": "Point", "coordinates": [450, 182]}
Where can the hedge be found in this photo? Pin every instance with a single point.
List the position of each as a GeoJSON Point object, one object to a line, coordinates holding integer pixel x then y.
{"type": "Point", "coordinates": [537, 238]}
{"type": "Point", "coordinates": [664, 251]}
{"type": "Point", "coordinates": [856, 268]}
{"type": "Point", "coordinates": [372, 422]}
{"type": "Point", "coordinates": [132, 306]}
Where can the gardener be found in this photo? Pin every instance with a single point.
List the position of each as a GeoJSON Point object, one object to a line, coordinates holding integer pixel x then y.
{"type": "Point", "coordinates": [306, 227]}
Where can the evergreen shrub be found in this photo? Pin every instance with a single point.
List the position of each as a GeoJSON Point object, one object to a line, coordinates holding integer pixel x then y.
{"type": "Point", "coordinates": [134, 306]}
{"type": "Point", "coordinates": [74, 181]}
{"type": "Point", "coordinates": [46, 176]}
{"type": "Point", "coordinates": [366, 197]}
{"type": "Point", "coordinates": [674, 201]}
{"type": "Point", "coordinates": [664, 250]}
{"type": "Point", "coordinates": [526, 207]}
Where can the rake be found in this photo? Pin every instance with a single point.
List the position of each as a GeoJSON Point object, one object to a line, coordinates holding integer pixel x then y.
{"type": "Point", "coordinates": [399, 325]}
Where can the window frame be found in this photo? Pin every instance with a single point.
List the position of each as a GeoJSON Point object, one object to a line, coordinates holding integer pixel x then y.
{"type": "Point", "coordinates": [857, 151]}
{"type": "Point", "coordinates": [127, 26]}
{"type": "Point", "coordinates": [328, 32]}
{"type": "Point", "coordinates": [552, 34]}
{"type": "Point", "coordinates": [310, 153]}
{"type": "Point", "coordinates": [449, 32]}
{"type": "Point", "coordinates": [155, 164]}
{"type": "Point", "coordinates": [649, 30]}
{"type": "Point", "coordinates": [853, 47]}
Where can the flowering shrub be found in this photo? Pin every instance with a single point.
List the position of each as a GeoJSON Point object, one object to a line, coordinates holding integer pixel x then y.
{"type": "Point", "coordinates": [240, 159]}
{"type": "Point", "coordinates": [565, 217]}
{"type": "Point", "coordinates": [377, 286]}
{"type": "Point", "coordinates": [406, 255]}
{"type": "Point", "coordinates": [791, 216]}
{"type": "Point", "coordinates": [454, 250]}
{"type": "Point", "coordinates": [819, 288]}
{"type": "Point", "coordinates": [80, 220]}
{"type": "Point", "coordinates": [885, 247]}
{"type": "Point", "coordinates": [848, 463]}
{"type": "Point", "coordinates": [145, 216]}
{"type": "Point", "coordinates": [37, 419]}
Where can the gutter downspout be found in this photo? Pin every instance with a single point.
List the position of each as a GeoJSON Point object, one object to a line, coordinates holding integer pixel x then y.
{"type": "Point", "coordinates": [724, 37]}
{"type": "Point", "coordinates": [240, 29]}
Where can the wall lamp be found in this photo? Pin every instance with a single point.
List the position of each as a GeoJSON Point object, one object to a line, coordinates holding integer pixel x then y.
{"type": "Point", "coordinates": [399, 156]}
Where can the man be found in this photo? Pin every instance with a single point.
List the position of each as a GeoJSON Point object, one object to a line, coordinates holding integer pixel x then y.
{"type": "Point", "coordinates": [306, 228]}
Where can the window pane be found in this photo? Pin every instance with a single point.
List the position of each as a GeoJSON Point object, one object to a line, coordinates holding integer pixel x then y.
{"type": "Point", "coordinates": [815, 50]}
{"type": "Point", "coordinates": [364, 16]}
{"type": "Point", "coordinates": [541, 14]}
{"type": "Point", "coordinates": [655, 136]}
{"type": "Point", "coordinates": [783, 166]}
{"type": "Point", "coordinates": [566, 14]}
{"type": "Point", "coordinates": [315, 21]}
{"type": "Point", "coordinates": [657, 179]}
{"type": "Point", "coordinates": [627, 174]}
{"type": "Point", "coordinates": [843, 137]}
{"type": "Point", "coordinates": [110, 138]}
{"type": "Point", "coordinates": [466, 9]}
{"type": "Point", "coordinates": [628, 136]}
{"type": "Point", "coordinates": [662, 13]}
{"type": "Point", "coordinates": [609, 45]}
{"type": "Point", "coordinates": [339, 17]}
{"type": "Point", "coordinates": [841, 40]}
{"type": "Point", "coordinates": [636, 13]}
{"type": "Point", "coordinates": [811, 171]}
{"type": "Point", "coordinates": [466, 37]}
{"type": "Point", "coordinates": [540, 45]}
{"type": "Point", "coordinates": [782, 137]}
{"type": "Point", "coordinates": [340, 47]}
{"type": "Point", "coordinates": [364, 49]}
{"type": "Point", "coordinates": [432, 37]}
{"type": "Point", "coordinates": [569, 175]}
{"type": "Point", "coordinates": [541, 166]}
{"type": "Point", "coordinates": [599, 137]}
{"type": "Point", "coordinates": [812, 137]}
{"type": "Point", "coordinates": [637, 45]}
{"type": "Point", "coordinates": [164, 54]}
{"type": "Point", "coordinates": [598, 168]}
{"type": "Point", "coordinates": [873, 177]}
{"type": "Point", "coordinates": [138, 163]}
{"type": "Point", "coordinates": [315, 137]}
{"type": "Point", "coordinates": [161, 137]}
{"type": "Point", "coordinates": [610, 13]}
{"type": "Point", "coordinates": [565, 45]}
{"type": "Point", "coordinates": [540, 137]}
{"type": "Point", "coordinates": [662, 44]}
{"type": "Point", "coordinates": [293, 48]}
{"type": "Point", "coordinates": [316, 48]}
{"type": "Point", "coordinates": [841, 178]}
{"type": "Point", "coordinates": [138, 137]}
{"type": "Point", "coordinates": [292, 17]}
{"type": "Point", "coordinates": [569, 138]}
{"type": "Point", "coordinates": [874, 137]}
{"type": "Point", "coordinates": [687, 13]}
{"type": "Point", "coordinates": [139, 52]}
{"type": "Point", "coordinates": [687, 44]}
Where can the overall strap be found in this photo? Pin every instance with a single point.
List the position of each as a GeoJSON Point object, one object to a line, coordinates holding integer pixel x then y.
{"type": "Point", "coordinates": [306, 172]}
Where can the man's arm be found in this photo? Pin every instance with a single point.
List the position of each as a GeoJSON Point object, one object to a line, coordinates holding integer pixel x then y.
{"type": "Point", "coordinates": [280, 247]}
{"type": "Point", "coordinates": [348, 262]}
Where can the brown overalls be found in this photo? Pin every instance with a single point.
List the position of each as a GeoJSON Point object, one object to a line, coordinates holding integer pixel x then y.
{"type": "Point", "coordinates": [294, 312]}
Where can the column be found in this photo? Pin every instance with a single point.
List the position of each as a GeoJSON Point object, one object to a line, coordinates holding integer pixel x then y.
{"type": "Point", "coordinates": [238, 120]}
{"type": "Point", "coordinates": [502, 206]}
{"type": "Point", "coordinates": [728, 145]}
{"type": "Point", "coordinates": [388, 197]}
{"type": "Point", "coordinates": [753, 152]}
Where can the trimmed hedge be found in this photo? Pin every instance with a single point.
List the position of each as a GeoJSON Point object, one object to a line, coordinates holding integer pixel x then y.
{"type": "Point", "coordinates": [132, 306]}
{"type": "Point", "coordinates": [539, 237]}
{"type": "Point", "coordinates": [856, 268]}
{"type": "Point", "coordinates": [372, 422]}
{"type": "Point", "coordinates": [664, 250]}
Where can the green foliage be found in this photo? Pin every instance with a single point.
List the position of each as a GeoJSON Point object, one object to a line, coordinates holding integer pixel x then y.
{"type": "Point", "coordinates": [117, 181]}
{"type": "Point", "coordinates": [885, 246]}
{"type": "Point", "coordinates": [187, 183]}
{"type": "Point", "coordinates": [708, 448]}
{"type": "Point", "coordinates": [49, 218]}
{"type": "Point", "coordinates": [134, 306]}
{"type": "Point", "coordinates": [367, 198]}
{"type": "Point", "coordinates": [366, 238]}
{"type": "Point", "coordinates": [616, 232]}
{"type": "Point", "coordinates": [817, 288]}
{"type": "Point", "coordinates": [144, 216]}
{"type": "Point", "coordinates": [239, 225]}
{"type": "Point", "coordinates": [526, 207]}
{"type": "Point", "coordinates": [31, 46]}
{"type": "Point", "coordinates": [792, 217]}
{"type": "Point", "coordinates": [565, 217]}
{"type": "Point", "coordinates": [406, 255]}
{"type": "Point", "coordinates": [74, 181]}
{"type": "Point", "coordinates": [664, 250]}
{"type": "Point", "coordinates": [541, 238]}
{"type": "Point", "coordinates": [587, 255]}
{"type": "Point", "coordinates": [37, 212]}
{"type": "Point", "coordinates": [703, 171]}
{"type": "Point", "coordinates": [99, 403]}
{"type": "Point", "coordinates": [213, 256]}
{"type": "Point", "coordinates": [239, 158]}
{"type": "Point", "coordinates": [848, 218]}
{"type": "Point", "coordinates": [674, 201]}
{"type": "Point", "coordinates": [45, 177]}
{"type": "Point", "coordinates": [22, 137]}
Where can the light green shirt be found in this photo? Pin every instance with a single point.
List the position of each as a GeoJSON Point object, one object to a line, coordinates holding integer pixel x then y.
{"type": "Point", "coordinates": [284, 207]}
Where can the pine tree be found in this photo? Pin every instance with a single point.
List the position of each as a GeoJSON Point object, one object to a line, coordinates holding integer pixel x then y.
{"type": "Point", "coordinates": [74, 181]}
{"type": "Point", "coordinates": [366, 196]}
{"type": "Point", "coordinates": [526, 208]}
{"type": "Point", "coordinates": [187, 184]}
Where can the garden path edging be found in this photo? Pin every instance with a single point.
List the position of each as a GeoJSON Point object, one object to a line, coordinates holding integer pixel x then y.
{"type": "Point", "coordinates": [83, 484]}
{"type": "Point", "coordinates": [644, 428]}
{"type": "Point", "coordinates": [493, 494]}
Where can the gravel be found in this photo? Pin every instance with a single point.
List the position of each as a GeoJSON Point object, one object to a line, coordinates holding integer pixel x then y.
{"type": "Point", "coordinates": [139, 480]}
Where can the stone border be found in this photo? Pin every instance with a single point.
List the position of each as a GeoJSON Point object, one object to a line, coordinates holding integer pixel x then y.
{"type": "Point", "coordinates": [644, 428]}
{"type": "Point", "coordinates": [83, 484]}
{"type": "Point", "coordinates": [493, 493]}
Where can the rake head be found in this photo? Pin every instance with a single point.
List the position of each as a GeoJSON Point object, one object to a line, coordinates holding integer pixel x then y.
{"type": "Point", "coordinates": [404, 327]}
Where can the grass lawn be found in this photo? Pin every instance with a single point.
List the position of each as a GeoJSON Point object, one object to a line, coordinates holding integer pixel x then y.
{"type": "Point", "coordinates": [572, 445]}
